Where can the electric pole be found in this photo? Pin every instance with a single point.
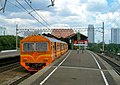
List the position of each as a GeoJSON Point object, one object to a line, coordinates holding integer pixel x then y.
{"type": "Point", "coordinates": [103, 36]}
{"type": "Point", "coordinates": [16, 36]}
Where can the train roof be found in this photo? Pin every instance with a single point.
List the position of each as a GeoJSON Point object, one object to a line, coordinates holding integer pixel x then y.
{"type": "Point", "coordinates": [55, 40]}
{"type": "Point", "coordinates": [38, 38]}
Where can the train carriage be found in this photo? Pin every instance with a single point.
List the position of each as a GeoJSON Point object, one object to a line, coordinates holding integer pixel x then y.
{"type": "Point", "coordinates": [38, 51]}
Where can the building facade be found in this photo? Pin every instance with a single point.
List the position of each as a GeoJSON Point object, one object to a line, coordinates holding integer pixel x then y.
{"type": "Point", "coordinates": [115, 35]}
{"type": "Point", "coordinates": [90, 33]}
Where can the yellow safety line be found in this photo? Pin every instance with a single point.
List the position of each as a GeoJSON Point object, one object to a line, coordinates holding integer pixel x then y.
{"type": "Point", "coordinates": [29, 56]}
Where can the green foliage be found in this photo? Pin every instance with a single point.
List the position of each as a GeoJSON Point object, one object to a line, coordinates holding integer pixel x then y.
{"type": "Point", "coordinates": [112, 48]}
{"type": "Point", "coordinates": [94, 47]}
{"type": "Point", "coordinates": [8, 42]}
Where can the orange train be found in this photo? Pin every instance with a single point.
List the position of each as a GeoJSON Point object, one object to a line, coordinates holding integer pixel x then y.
{"type": "Point", "coordinates": [38, 51]}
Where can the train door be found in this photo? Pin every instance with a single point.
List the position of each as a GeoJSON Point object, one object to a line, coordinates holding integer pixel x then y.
{"type": "Point", "coordinates": [61, 49]}
{"type": "Point", "coordinates": [55, 49]}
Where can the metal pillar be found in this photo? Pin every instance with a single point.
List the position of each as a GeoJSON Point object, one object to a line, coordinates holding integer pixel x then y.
{"type": "Point", "coordinates": [16, 36]}
{"type": "Point", "coordinates": [103, 37]}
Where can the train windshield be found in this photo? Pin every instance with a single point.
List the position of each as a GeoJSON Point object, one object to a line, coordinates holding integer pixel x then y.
{"type": "Point", "coordinates": [31, 47]}
{"type": "Point", "coordinates": [28, 47]}
{"type": "Point", "coordinates": [41, 46]}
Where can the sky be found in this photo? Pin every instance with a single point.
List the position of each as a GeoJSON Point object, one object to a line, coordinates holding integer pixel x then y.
{"type": "Point", "coordinates": [70, 13]}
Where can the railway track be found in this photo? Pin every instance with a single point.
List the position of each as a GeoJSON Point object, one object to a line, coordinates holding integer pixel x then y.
{"type": "Point", "coordinates": [16, 82]}
{"type": "Point", "coordinates": [9, 60]}
{"type": "Point", "coordinates": [8, 67]}
{"type": "Point", "coordinates": [114, 65]}
{"type": "Point", "coordinates": [12, 74]}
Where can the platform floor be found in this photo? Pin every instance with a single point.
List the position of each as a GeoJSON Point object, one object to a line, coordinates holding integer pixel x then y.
{"type": "Point", "coordinates": [4, 55]}
{"type": "Point", "coordinates": [77, 69]}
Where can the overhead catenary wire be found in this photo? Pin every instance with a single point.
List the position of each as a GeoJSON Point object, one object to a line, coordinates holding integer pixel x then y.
{"type": "Point", "coordinates": [30, 1]}
{"type": "Point", "coordinates": [15, 5]}
{"type": "Point", "coordinates": [37, 13]}
{"type": "Point", "coordinates": [109, 10]}
{"type": "Point", "coordinates": [33, 15]}
{"type": "Point", "coordinates": [114, 20]}
{"type": "Point", "coordinates": [52, 3]}
{"type": "Point", "coordinates": [30, 13]}
{"type": "Point", "coordinates": [3, 8]}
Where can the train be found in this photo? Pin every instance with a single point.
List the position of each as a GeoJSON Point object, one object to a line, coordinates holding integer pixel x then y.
{"type": "Point", "coordinates": [38, 51]}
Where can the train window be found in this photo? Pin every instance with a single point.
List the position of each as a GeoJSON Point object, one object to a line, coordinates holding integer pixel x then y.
{"type": "Point", "coordinates": [28, 47]}
{"type": "Point", "coordinates": [55, 45]}
{"type": "Point", "coordinates": [62, 46]}
{"type": "Point", "coordinates": [58, 46]}
{"type": "Point", "coordinates": [41, 46]}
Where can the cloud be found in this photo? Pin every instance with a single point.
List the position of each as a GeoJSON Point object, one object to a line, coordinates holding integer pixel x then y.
{"type": "Point", "coordinates": [22, 15]}
{"type": "Point", "coordinates": [14, 6]}
{"type": "Point", "coordinates": [96, 5]}
{"type": "Point", "coordinates": [10, 23]}
{"type": "Point", "coordinates": [73, 13]}
{"type": "Point", "coordinates": [66, 12]}
{"type": "Point", "coordinates": [110, 18]}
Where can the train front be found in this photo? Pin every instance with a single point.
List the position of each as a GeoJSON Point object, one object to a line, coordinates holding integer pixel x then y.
{"type": "Point", "coordinates": [34, 53]}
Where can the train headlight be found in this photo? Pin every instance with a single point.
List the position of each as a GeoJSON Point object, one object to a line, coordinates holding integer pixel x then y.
{"type": "Point", "coordinates": [24, 60]}
{"type": "Point", "coordinates": [45, 59]}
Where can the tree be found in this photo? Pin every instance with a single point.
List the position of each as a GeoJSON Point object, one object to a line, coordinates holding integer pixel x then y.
{"type": "Point", "coordinates": [8, 42]}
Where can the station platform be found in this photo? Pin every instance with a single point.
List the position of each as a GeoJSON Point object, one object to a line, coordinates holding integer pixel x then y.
{"type": "Point", "coordinates": [9, 54]}
{"type": "Point", "coordinates": [75, 68]}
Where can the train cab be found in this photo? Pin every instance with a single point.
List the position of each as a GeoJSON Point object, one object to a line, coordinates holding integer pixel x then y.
{"type": "Point", "coordinates": [38, 51]}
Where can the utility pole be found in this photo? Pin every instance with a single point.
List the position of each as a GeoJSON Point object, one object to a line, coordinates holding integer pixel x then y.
{"type": "Point", "coordinates": [4, 32]}
{"type": "Point", "coordinates": [103, 36]}
{"type": "Point", "coordinates": [78, 38]}
{"type": "Point", "coordinates": [16, 36]}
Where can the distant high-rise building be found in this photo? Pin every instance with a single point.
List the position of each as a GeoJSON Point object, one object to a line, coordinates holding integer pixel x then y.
{"type": "Point", "coordinates": [115, 35]}
{"type": "Point", "coordinates": [2, 30]}
{"type": "Point", "coordinates": [90, 33]}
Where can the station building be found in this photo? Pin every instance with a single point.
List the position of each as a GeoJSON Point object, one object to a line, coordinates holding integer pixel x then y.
{"type": "Point", "coordinates": [68, 35]}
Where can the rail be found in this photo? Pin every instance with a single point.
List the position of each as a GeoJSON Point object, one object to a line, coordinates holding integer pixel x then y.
{"type": "Point", "coordinates": [115, 65]}
{"type": "Point", "coordinates": [113, 55]}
